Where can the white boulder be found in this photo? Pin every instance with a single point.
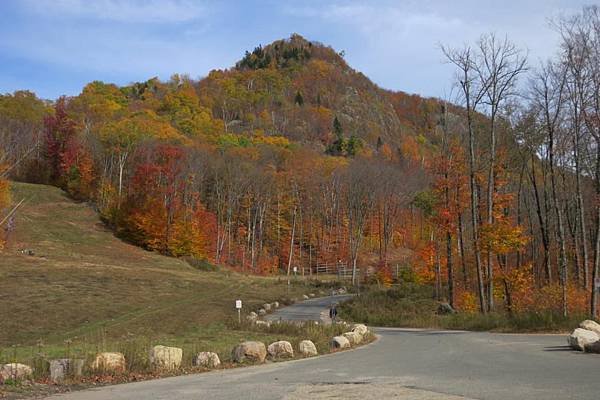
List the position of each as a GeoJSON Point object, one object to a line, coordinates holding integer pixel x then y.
{"type": "Point", "coordinates": [275, 304]}
{"type": "Point", "coordinates": [267, 306]}
{"type": "Point", "coordinates": [361, 329]}
{"type": "Point", "coordinates": [262, 312]}
{"type": "Point", "coordinates": [207, 359]}
{"type": "Point", "coordinates": [15, 371]}
{"type": "Point", "coordinates": [281, 349]}
{"type": "Point", "coordinates": [340, 342]}
{"type": "Point", "coordinates": [109, 362]}
{"type": "Point", "coordinates": [166, 357]}
{"type": "Point", "coordinates": [63, 367]}
{"type": "Point", "coordinates": [353, 337]}
{"type": "Point", "coordinates": [579, 338]}
{"type": "Point", "coordinates": [590, 325]}
{"type": "Point", "coordinates": [305, 297]}
{"type": "Point", "coordinates": [249, 351]}
{"type": "Point", "coordinates": [307, 348]}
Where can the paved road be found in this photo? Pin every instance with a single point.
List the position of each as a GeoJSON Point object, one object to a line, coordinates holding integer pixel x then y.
{"type": "Point", "coordinates": [309, 310]}
{"type": "Point", "coordinates": [402, 364]}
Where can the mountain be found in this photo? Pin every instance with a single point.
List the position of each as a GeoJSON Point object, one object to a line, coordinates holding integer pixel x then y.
{"type": "Point", "coordinates": [296, 88]}
{"type": "Point", "coordinates": [218, 168]}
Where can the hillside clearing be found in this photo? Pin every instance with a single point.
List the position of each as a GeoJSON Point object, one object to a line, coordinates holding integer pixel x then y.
{"type": "Point", "coordinates": [83, 284]}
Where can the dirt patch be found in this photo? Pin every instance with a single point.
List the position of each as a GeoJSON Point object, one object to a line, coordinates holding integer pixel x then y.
{"type": "Point", "coordinates": [365, 390]}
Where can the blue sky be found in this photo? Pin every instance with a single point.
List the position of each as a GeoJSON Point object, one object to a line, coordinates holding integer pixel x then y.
{"type": "Point", "coordinates": [54, 47]}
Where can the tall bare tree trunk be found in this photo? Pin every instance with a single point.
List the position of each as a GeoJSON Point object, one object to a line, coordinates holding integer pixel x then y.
{"type": "Point", "coordinates": [289, 266]}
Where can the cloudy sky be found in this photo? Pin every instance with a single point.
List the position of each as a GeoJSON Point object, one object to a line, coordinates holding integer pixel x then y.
{"type": "Point", "coordinates": [54, 47]}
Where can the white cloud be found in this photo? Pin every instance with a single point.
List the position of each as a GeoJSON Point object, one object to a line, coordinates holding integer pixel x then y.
{"type": "Point", "coordinates": [132, 11]}
{"type": "Point", "coordinates": [372, 18]}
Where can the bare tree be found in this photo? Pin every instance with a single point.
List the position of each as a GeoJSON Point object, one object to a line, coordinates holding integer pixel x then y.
{"type": "Point", "coordinates": [548, 90]}
{"type": "Point", "coordinates": [472, 93]}
{"type": "Point", "coordinates": [360, 197]}
{"type": "Point", "coordinates": [500, 64]}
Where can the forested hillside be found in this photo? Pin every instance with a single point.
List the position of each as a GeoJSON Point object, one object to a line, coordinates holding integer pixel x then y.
{"type": "Point", "coordinates": [292, 158]}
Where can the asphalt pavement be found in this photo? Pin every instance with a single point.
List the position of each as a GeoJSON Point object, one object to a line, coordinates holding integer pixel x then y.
{"type": "Point", "coordinates": [407, 364]}
{"type": "Point", "coordinates": [316, 309]}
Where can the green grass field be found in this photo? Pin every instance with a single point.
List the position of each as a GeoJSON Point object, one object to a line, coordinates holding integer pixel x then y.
{"type": "Point", "coordinates": [83, 289]}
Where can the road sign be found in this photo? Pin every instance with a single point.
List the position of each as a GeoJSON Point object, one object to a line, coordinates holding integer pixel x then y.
{"type": "Point", "coordinates": [295, 269]}
{"type": "Point", "coordinates": [597, 283]}
{"type": "Point", "coordinates": [238, 306]}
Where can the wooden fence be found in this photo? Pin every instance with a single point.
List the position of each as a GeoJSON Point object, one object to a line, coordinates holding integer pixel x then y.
{"type": "Point", "coordinates": [342, 270]}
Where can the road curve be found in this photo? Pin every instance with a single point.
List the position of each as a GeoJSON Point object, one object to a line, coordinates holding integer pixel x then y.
{"type": "Point", "coordinates": [316, 309]}
{"type": "Point", "coordinates": [407, 364]}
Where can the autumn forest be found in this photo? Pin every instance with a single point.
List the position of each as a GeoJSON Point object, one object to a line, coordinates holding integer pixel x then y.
{"type": "Point", "coordinates": [291, 158]}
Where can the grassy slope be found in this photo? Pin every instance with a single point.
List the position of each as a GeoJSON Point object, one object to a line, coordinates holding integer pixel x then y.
{"type": "Point", "coordinates": [83, 282]}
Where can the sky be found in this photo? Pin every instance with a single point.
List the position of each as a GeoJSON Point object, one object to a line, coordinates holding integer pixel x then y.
{"type": "Point", "coordinates": [55, 47]}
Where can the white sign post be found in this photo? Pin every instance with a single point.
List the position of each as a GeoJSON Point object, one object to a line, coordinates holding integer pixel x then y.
{"type": "Point", "coordinates": [597, 284]}
{"type": "Point", "coordinates": [238, 306]}
{"type": "Point", "coordinates": [295, 271]}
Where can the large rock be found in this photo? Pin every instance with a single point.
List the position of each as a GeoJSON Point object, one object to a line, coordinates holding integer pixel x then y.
{"type": "Point", "coordinates": [305, 297]}
{"type": "Point", "coordinates": [590, 325]}
{"type": "Point", "coordinates": [281, 349]}
{"type": "Point", "coordinates": [262, 312]}
{"type": "Point", "coordinates": [266, 324]}
{"type": "Point", "coordinates": [340, 342]}
{"type": "Point", "coordinates": [275, 304]}
{"type": "Point", "coordinates": [267, 306]}
{"type": "Point", "coordinates": [361, 329]}
{"type": "Point", "coordinates": [353, 337]}
{"type": "Point", "coordinates": [307, 348]}
{"type": "Point", "coordinates": [582, 337]}
{"type": "Point", "coordinates": [166, 357]}
{"type": "Point", "coordinates": [15, 371]}
{"type": "Point", "coordinates": [64, 367]}
{"type": "Point", "coordinates": [207, 359]}
{"type": "Point", "coordinates": [249, 351]}
{"type": "Point", "coordinates": [252, 317]}
{"type": "Point", "coordinates": [109, 362]}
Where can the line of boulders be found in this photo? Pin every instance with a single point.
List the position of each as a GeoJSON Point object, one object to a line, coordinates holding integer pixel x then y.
{"type": "Point", "coordinates": [253, 316]}
{"type": "Point", "coordinates": [254, 351]}
{"type": "Point", "coordinates": [257, 352]}
{"type": "Point", "coordinates": [352, 338]}
{"type": "Point", "coordinates": [160, 357]}
{"type": "Point", "coordinates": [586, 338]}
{"type": "Point", "coordinates": [170, 358]}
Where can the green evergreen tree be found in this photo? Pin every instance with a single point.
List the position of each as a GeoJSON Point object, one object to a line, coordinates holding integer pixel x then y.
{"type": "Point", "coordinates": [353, 145]}
{"type": "Point", "coordinates": [299, 99]}
{"type": "Point", "coordinates": [338, 147]}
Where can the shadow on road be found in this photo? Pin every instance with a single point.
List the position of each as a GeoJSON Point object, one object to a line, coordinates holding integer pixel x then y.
{"type": "Point", "coordinates": [559, 348]}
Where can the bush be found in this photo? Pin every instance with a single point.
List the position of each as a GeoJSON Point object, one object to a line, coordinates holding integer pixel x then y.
{"type": "Point", "coordinates": [412, 305]}
{"type": "Point", "coordinates": [201, 264]}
